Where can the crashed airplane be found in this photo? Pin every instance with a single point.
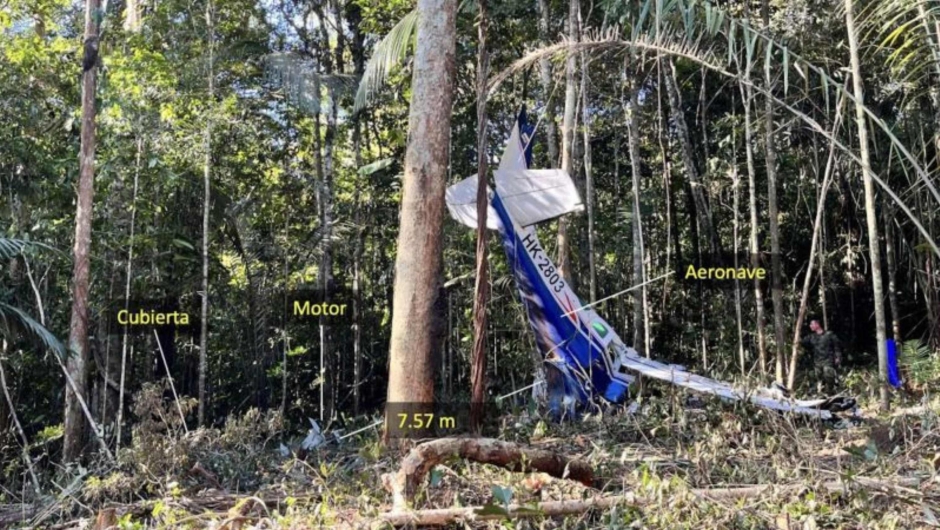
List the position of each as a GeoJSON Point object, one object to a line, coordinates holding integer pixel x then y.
{"type": "Point", "coordinates": [587, 357]}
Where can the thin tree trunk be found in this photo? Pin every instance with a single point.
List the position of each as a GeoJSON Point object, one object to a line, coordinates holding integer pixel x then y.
{"type": "Point", "coordinates": [633, 142]}
{"type": "Point", "coordinates": [19, 428]}
{"type": "Point", "coordinates": [588, 176]}
{"type": "Point", "coordinates": [892, 274]}
{"type": "Point", "coordinates": [74, 426]}
{"type": "Point", "coordinates": [736, 206]}
{"type": "Point", "coordinates": [870, 215]}
{"type": "Point", "coordinates": [567, 137]}
{"type": "Point", "coordinates": [545, 74]}
{"type": "Point", "coordinates": [206, 179]}
{"type": "Point", "coordinates": [551, 134]}
{"type": "Point", "coordinates": [481, 288]}
{"type": "Point", "coordinates": [354, 18]}
{"type": "Point", "coordinates": [127, 297]}
{"type": "Point", "coordinates": [688, 158]}
{"type": "Point", "coordinates": [776, 267]}
{"type": "Point", "coordinates": [817, 224]}
{"type": "Point", "coordinates": [418, 261]}
{"type": "Point", "coordinates": [753, 245]}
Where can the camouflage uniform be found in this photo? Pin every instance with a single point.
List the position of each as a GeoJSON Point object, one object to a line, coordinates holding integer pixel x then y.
{"type": "Point", "coordinates": [827, 354]}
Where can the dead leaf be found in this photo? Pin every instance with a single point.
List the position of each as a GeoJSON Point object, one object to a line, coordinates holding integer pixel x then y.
{"type": "Point", "coordinates": [536, 481]}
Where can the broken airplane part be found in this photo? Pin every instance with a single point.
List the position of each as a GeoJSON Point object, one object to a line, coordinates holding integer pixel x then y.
{"type": "Point", "coordinates": [584, 357]}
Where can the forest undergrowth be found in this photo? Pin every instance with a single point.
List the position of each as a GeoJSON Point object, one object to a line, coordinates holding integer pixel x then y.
{"type": "Point", "coordinates": [663, 458]}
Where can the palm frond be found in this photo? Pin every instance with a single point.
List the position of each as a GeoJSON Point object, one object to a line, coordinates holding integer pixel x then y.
{"type": "Point", "coordinates": [389, 53]}
{"type": "Point", "coordinates": [10, 248]}
{"type": "Point", "coordinates": [14, 318]}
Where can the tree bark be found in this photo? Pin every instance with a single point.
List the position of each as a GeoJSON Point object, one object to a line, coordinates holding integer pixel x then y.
{"type": "Point", "coordinates": [418, 260]}
{"type": "Point", "coordinates": [567, 137]}
{"type": "Point", "coordinates": [871, 218]}
{"type": "Point", "coordinates": [74, 427]}
{"type": "Point", "coordinates": [206, 179]}
{"type": "Point", "coordinates": [481, 288]}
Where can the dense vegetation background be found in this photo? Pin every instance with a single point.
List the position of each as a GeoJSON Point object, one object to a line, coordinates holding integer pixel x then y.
{"type": "Point", "coordinates": [696, 127]}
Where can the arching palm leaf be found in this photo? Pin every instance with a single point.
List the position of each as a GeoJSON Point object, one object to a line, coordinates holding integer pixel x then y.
{"type": "Point", "coordinates": [389, 53]}
{"type": "Point", "coordinates": [15, 319]}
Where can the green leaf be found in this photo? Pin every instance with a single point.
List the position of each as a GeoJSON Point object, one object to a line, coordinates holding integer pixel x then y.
{"type": "Point", "coordinates": [436, 476]}
{"type": "Point", "coordinates": [503, 495]}
{"type": "Point", "coordinates": [492, 509]}
{"type": "Point", "coordinates": [12, 316]}
{"type": "Point", "coordinates": [378, 165]}
{"type": "Point", "coordinates": [388, 53]}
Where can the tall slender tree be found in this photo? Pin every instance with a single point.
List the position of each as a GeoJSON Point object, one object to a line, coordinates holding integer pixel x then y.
{"type": "Point", "coordinates": [871, 218]}
{"type": "Point", "coordinates": [80, 354]}
{"type": "Point", "coordinates": [481, 289]}
{"type": "Point", "coordinates": [773, 212]}
{"type": "Point", "coordinates": [568, 134]}
{"type": "Point", "coordinates": [206, 205]}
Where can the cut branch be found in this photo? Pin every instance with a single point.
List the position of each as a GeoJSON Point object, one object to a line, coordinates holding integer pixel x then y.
{"type": "Point", "coordinates": [405, 483]}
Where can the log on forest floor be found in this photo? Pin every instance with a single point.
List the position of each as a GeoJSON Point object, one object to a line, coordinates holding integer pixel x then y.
{"type": "Point", "coordinates": [418, 463]}
{"type": "Point", "coordinates": [448, 516]}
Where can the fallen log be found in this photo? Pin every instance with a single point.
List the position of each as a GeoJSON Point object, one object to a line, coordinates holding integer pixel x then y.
{"type": "Point", "coordinates": [449, 516]}
{"type": "Point", "coordinates": [418, 463]}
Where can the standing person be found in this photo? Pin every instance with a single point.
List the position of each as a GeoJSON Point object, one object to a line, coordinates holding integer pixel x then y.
{"type": "Point", "coordinates": [826, 350]}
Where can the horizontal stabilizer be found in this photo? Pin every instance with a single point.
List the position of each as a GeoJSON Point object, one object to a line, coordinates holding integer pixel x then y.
{"type": "Point", "coordinates": [535, 195]}
{"type": "Point", "coordinates": [461, 201]}
{"type": "Point", "coordinates": [530, 196]}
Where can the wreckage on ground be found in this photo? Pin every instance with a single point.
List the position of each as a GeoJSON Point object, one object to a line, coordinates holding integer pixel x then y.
{"type": "Point", "coordinates": [584, 356]}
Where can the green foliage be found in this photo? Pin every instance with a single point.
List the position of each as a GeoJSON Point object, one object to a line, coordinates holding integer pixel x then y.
{"type": "Point", "coordinates": [920, 365]}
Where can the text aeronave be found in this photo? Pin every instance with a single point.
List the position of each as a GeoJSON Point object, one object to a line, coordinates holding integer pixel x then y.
{"type": "Point", "coordinates": [725, 273]}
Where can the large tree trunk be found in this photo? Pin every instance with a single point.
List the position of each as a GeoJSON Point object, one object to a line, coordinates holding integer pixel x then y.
{"type": "Point", "coordinates": [74, 427]}
{"type": "Point", "coordinates": [874, 253]}
{"type": "Point", "coordinates": [206, 179]}
{"type": "Point", "coordinates": [567, 138]}
{"type": "Point", "coordinates": [481, 289]}
{"type": "Point", "coordinates": [418, 260]}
